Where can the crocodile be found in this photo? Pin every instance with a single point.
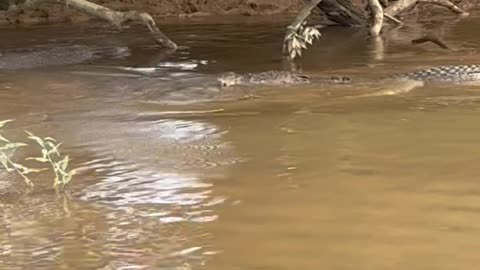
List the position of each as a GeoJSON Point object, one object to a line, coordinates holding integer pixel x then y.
{"type": "Point", "coordinates": [274, 78]}
{"type": "Point", "coordinates": [451, 73]}
{"type": "Point", "coordinates": [406, 82]}
{"type": "Point", "coordinates": [400, 83]}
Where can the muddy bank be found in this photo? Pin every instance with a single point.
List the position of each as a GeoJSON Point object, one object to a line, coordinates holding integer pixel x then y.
{"type": "Point", "coordinates": [181, 9]}
{"type": "Point", "coordinates": [158, 9]}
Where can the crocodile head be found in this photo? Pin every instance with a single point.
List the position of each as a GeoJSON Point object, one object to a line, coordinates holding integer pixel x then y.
{"type": "Point", "coordinates": [231, 78]}
{"type": "Point", "coordinates": [266, 78]}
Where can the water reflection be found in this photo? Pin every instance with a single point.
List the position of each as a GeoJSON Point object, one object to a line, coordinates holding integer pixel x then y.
{"type": "Point", "coordinates": [126, 218]}
{"type": "Point", "coordinates": [326, 182]}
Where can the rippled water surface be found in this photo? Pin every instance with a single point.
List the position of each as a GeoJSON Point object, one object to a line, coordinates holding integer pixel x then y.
{"type": "Point", "coordinates": [177, 174]}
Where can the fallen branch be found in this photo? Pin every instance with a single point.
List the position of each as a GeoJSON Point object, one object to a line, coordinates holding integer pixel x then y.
{"type": "Point", "coordinates": [399, 6]}
{"type": "Point", "coordinates": [116, 18]}
{"type": "Point", "coordinates": [447, 4]}
{"type": "Point", "coordinates": [392, 19]}
{"type": "Point", "coordinates": [377, 12]}
{"type": "Point", "coordinates": [431, 38]}
{"type": "Point", "coordinates": [402, 5]}
{"type": "Point", "coordinates": [344, 12]}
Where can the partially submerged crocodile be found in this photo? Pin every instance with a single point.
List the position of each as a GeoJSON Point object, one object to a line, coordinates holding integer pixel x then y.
{"type": "Point", "coordinates": [452, 73]}
{"type": "Point", "coordinates": [407, 81]}
{"type": "Point", "coordinates": [273, 78]}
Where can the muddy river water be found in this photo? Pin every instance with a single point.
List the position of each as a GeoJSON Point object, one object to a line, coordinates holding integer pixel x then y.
{"type": "Point", "coordinates": [270, 178]}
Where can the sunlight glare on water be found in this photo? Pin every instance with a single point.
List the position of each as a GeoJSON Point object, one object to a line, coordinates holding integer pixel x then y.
{"type": "Point", "coordinates": [177, 174]}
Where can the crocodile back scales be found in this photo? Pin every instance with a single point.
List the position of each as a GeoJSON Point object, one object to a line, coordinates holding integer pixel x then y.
{"type": "Point", "coordinates": [453, 73]}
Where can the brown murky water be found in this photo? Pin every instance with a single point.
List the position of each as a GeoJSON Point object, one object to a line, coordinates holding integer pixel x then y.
{"type": "Point", "coordinates": [297, 178]}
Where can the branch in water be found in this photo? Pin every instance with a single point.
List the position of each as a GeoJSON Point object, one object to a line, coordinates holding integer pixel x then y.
{"type": "Point", "coordinates": [377, 12]}
{"type": "Point", "coordinates": [447, 4]}
{"type": "Point", "coordinates": [399, 6]}
{"type": "Point", "coordinates": [431, 38]}
{"type": "Point", "coordinates": [402, 5]}
{"type": "Point", "coordinates": [116, 18]}
{"type": "Point", "coordinates": [393, 19]}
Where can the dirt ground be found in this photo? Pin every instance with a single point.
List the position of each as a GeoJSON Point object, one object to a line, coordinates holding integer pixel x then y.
{"type": "Point", "coordinates": [161, 9]}
{"type": "Point", "coordinates": [47, 13]}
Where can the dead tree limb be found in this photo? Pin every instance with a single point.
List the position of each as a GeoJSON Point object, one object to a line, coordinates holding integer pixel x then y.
{"type": "Point", "coordinates": [447, 4]}
{"type": "Point", "coordinates": [399, 6]}
{"type": "Point", "coordinates": [344, 12]}
{"type": "Point", "coordinates": [402, 5]}
{"type": "Point", "coordinates": [116, 18]}
{"type": "Point", "coordinates": [431, 38]}
{"type": "Point", "coordinates": [397, 21]}
{"type": "Point", "coordinates": [377, 12]}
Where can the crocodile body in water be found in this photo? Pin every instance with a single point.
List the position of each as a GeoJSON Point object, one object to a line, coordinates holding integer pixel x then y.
{"type": "Point", "coordinates": [442, 74]}
{"type": "Point", "coordinates": [452, 73]}
{"type": "Point", "coordinates": [273, 78]}
{"type": "Point", "coordinates": [399, 83]}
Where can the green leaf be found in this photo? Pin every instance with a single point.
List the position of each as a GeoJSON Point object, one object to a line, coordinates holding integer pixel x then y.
{"type": "Point", "coordinates": [50, 139]}
{"type": "Point", "coordinates": [4, 122]}
{"type": "Point", "coordinates": [20, 167]}
{"type": "Point", "coordinates": [65, 163]}
{"type": "Point", "coordinates": [299, 52]}
{"type": "Point", "coordinates": [39, 159]}
{"type": "Point", "coordinates": [35, 138]}
{"type": "Point", "coordinates": [37, 170]}
{"type": "Point", "coordinates": [303, 45]}
{"type": "Point", "coordinates": [44, 153]}
{"type": "Point", "coordinates": [4, 139]}
{"type": "Point", "coordinates": [12, 146]}
{"type": "Point", "coordinates": [4, 162]}
{"type": "Point", "coordinates": [309, 40]}
{"type": "Point", "coordinates": [295, 43]}
{"type": "Point", "coordinates": [67, 179]}
{"type": "Point", "coordinates": [293, 54]}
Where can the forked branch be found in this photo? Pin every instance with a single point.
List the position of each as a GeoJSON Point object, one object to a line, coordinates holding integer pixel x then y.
{"type": "Point", "coordinates": [116, 18]}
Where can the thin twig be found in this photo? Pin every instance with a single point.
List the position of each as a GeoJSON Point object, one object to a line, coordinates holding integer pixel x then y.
{"type": "Point", "coordinates": [393, 19]}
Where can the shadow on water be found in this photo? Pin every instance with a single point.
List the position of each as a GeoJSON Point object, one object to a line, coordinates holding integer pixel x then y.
{"type": "Point", "coordinates": [177, 174]}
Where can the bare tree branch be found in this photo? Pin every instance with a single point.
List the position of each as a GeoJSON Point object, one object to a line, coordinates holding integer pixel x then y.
{"type": "Point", "coordinates": [402, 5]}
{"type": "Point", "coordinates": [399, 6]}
{"type": "Point", "coordinates": [431, 38]}
{"type": "Point", "coordinates": [392, 19]}
{"type": "Point", "coordinates": [447, 4]}
{"type": "Point", "coordinates": [116, 18]}
{"type": "Point", "coordinates": [377, 12]}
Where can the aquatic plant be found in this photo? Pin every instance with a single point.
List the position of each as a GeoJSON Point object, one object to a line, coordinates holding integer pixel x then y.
{"type": "Point", "coordinates": [50, 154]}
{"type": "Point", "coordinates": [58, 163]}
{"type": "Point", "coordinates": [299, 38]}
{"type": "Point", "coordinates": [7, 150]}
